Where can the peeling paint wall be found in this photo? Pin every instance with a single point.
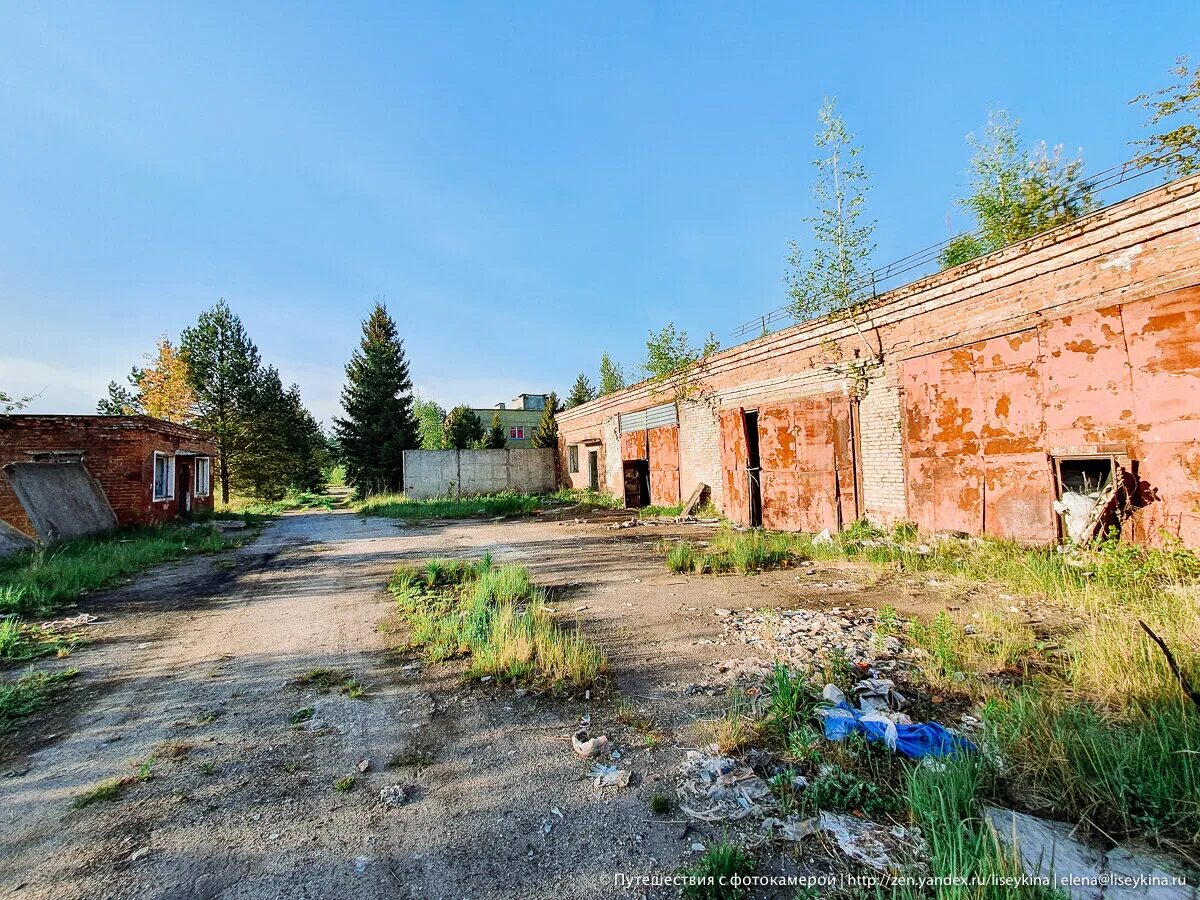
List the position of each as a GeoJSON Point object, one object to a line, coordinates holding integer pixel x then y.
{"type": "Point", "coordinates": [959, 415]}
{"type": "Point", "coordinates": [984, 421]}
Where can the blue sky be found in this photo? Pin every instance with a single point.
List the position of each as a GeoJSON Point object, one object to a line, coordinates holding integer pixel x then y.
{"type": "Point", "coordinates": [526, 185]}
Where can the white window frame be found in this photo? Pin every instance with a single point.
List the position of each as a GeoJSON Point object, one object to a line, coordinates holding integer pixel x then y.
{"type": "Point", "coordinates": [203, 489]}
{"type": "Point", "coordinates": [170, 495]}
{"type": "Point", "coordinates": [516, 432]}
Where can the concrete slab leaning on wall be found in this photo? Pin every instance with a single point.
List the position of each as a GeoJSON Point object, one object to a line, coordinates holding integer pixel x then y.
{"type": "Point", "coordinates": [440, 473]}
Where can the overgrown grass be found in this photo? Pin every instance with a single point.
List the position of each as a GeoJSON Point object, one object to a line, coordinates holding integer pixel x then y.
{"type": "Point", "coordinates": [943, 802]}
{"type": "Point", "coordinates": [736, 551]}
{"type": "Point", "coordinates": [36, 582]}
{"type": "Point", "coordinates": [709, 878]}
{"type": "Point", "coordinates": [397, 506]}
{"type": "Point", "coordinates": [293, 500]}
{"type": "Point", "coordinates": [498, 617]}
{"type": "Point", "coordinates": [585, 499]}
{"type": "Point", "coordinates": [1133, 772]}
{"type": "Point", "coordinates": [29, 693]}
{"type": "Point", "coordinates": [21, 641]}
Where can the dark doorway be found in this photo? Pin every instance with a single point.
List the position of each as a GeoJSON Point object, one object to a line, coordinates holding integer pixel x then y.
{"type": "Point", "coordinates": [753, 470]}
{"type": "Point", "coordinates": [183, 485]}
{"type": "Point", "coordinates": [637, 483]}
{"type": "Point", "coordinates": [594, 470]}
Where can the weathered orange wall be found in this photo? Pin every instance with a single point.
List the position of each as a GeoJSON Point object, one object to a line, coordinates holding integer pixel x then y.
{"type": "Point", "coordinates": [1058, 286]}
{"type": "Point", "coordinates": [982, 421]}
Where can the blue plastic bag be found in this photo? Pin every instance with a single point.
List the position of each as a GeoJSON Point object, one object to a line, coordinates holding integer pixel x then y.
{"type": "Point", "coordinates": [916, 740]}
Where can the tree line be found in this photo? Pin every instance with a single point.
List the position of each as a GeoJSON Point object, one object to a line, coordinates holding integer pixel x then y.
{"type": "Point", "coordinates": [268, 442]}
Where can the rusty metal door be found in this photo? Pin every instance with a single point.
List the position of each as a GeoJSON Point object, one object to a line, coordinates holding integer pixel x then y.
{"type": "Point", "coordinates": [733, 465]}
{"type": "Point", "coordinates": [808, 480]}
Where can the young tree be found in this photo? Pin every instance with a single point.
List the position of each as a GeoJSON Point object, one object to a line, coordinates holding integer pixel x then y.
{"type": "Point", "coordinates": [832, 276]}
{"type": "Point", "coordinates": [495, 439]}
{"type": "Point", "coordinates": [165, 392]}
{"type": "Point", "coordinates": [612, 379]}
{"type": "Point", "coordinates": [581, 392]}
{"type": "Point", "coordinates": [379, 424]}
{"type": "Point", "coordinates": [161, 389]}
{"type": "Point", "coordinates": [546, 433]}
{"type": "Point", "coordinates": [1178, 105]}
{"type": "Point", "coordinates": [222, 367]}
{"type": "Point", "coordinates": [1014, 194]}
{"type": "Point", "coordinates": [672, 361]}
{"type": "Point", "coordinates": [462, 429]}
{"type": "Point", "coordinates": [430, 417]}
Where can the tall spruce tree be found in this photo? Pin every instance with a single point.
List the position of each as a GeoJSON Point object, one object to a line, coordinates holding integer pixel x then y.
{"type": "Point", "coordinates": [581, 392]}
{"type": "Point", "coordinates": [546, 434]}
{"type": "Point", "coordinates": [463, 429]}
{"type": "Point", "coordinates": [289, 449]}
{"type": "Point", "coordinates": [222, 367]}
{"type": "Point", "coordinates": [496, 439]}
{"type": "Point", "coordinates": [379, 424]}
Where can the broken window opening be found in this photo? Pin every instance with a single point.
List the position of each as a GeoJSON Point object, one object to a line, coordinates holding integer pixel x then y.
{"type": "Point", "coordinates": [1084, 488]}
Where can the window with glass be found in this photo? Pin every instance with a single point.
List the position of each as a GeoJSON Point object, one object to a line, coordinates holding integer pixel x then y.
{"type": "Point", "coordinates": [164, 476]}
{"type": "Point", "coordinates": [203, 476]}
{"type": "Point", "coordinates": [573, 458]}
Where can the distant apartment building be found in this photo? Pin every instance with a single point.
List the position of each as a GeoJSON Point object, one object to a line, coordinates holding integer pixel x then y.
{"type": "Point", "coordinates": [519, 418]}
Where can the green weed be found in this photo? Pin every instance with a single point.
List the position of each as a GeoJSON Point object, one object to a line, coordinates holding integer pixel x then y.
{"type": "Point", "coordinates": [709, 878]}
{"type": "Point", "coordinates": [29, 693]}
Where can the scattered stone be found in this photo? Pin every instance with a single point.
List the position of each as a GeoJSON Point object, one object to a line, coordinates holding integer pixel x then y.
{"type": "Point", "coordinates": [395, 795]}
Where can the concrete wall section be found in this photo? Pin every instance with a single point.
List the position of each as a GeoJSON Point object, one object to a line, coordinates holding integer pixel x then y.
{"type": "Point", "coordinates": [442, 473]}
{"type": "Point", "coordinates": [61, 499]}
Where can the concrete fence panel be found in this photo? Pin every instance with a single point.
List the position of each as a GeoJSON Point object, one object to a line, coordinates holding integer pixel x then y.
{"type": "Point", "coordinates": [440, 473]}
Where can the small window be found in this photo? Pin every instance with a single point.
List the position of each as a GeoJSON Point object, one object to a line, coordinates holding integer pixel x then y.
{"type": "Point", "coordinates": [1082, 485]}
{"type": "Point", "coordinates": [203, 476]}
{"type": "Point", "coordinates": [573, 458]}
{"type": "Point", "coordinates": [164, 476]}
{"type": "Point", "coordinates": [516, 432]}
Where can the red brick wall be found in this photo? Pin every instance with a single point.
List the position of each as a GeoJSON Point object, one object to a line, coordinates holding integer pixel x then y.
{"type": "Point", "coordinates": [118, 451]}
{"type": "Point", "coordinates": [1139, 249]}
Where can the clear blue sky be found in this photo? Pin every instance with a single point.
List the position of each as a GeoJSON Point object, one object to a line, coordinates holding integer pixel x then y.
{"type": "Point", "coordinates": [526, 185]}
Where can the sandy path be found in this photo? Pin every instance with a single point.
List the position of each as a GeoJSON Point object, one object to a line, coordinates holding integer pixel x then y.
{"type": "Point", "coordinates": [205, 652]}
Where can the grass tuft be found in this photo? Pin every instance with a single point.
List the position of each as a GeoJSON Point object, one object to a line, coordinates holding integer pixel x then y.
{"type": "Point", "coordinates": [495, 615]}
{"type": "Point", "coordinates": [709, 878]}
{"type": "Point", "coordinates": [29, 693]}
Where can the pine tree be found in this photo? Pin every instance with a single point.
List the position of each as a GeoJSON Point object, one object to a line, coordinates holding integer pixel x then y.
{"type": "Point", "coordinates": [546, 434]}
{"type": "Point", "coordinates": [463, 429]}
{"type": "Point", "coordinates": [496, 439]}
{"type": "Point", "coordinates": [612, 379]}
{"type": "Point", "coordinates": [289, 449]}
{"type": "Point", "coordinates": [581, 392]}
{"type": "Point", "coordinates": [379, 424]}
{"type": "Point", "coordinates": [120, 400]}
{"type": "Point", "coordinates": [222, 366]}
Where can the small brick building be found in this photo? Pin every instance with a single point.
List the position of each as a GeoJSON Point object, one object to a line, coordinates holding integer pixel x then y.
{"type": "Point", "coordinates": [61, 476]}
{"type": "Point", "coordinates": [975, 399]}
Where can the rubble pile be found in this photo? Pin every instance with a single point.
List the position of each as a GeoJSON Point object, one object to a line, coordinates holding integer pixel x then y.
{"type": "Point", "coordinates": [804, 636]}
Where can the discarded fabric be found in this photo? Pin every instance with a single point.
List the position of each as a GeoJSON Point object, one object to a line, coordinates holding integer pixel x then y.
{"type": "Point", "coordinates": [716, 788]}
{"type": "Point", "coordinates": [914, 740]}
{"type": "Point", "coordinates": [587, 747]}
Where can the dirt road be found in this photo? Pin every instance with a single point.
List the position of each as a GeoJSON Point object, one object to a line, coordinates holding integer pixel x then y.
{"type": "Point", "coordinates": [195, 669]}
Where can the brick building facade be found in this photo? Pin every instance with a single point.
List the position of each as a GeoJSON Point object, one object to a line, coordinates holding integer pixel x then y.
{"type": "Point", "coordinates": [147, 470]}
{"type": "Point", "coordinates": [970, 400]}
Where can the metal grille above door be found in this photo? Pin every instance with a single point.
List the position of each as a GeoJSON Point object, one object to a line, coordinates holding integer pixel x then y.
{"type": "Point", "coordinates": [644, 420]}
